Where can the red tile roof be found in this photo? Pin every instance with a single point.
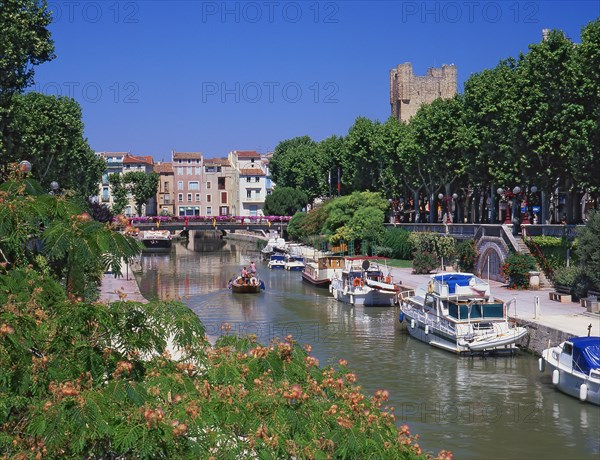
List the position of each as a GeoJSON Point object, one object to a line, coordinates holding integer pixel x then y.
{"type": "Point", "coordinates": [132, 159]}
{"type": "Point", "coordinates": [164, 168]}
{"type": "Point", "coordinates": [251, 172]}
{"type": "Point", "coordinates": [217, 161]}
{"type": "Point", "coordinates": [187, 156]}
{"type": "Point", "coordinates": [247, 154]}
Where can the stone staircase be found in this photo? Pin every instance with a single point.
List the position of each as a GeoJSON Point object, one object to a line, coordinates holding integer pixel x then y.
{"type": "Point", "coordinates": [544, 281]}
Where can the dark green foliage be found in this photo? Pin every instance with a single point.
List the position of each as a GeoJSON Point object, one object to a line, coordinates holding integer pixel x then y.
{"type": "Point", "coordinates": [24, 43]}
{"type": "Point", "coordinates": [588, 248]}
{"type": "Point", "coordinates": [285, 201]}
{"type": "Point", "coordinates": [575, 280]}
{"type": "Point", "coordinates": [397, 239]}
{"type": "Point", "coordinates": [424, 262]}
{"type": "Point", "coordinates": [467, 255]}
{"type": "Point", "coordinates": [516, 269]}
{"type": "Point", "coordinates": [295, 229]}
{"type": "Point", "coordinates": [554, 251]}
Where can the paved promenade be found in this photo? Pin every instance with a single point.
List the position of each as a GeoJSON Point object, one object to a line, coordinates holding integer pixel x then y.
{"type": "Point", "coordinates": [124, 287]}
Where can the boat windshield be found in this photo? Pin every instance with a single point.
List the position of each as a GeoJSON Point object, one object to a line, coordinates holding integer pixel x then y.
{"type": "Point", "coordinates": [478, 310]}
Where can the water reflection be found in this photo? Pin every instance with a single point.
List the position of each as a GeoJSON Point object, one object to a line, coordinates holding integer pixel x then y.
{"type": "Point", "coordinates": [496, 408]}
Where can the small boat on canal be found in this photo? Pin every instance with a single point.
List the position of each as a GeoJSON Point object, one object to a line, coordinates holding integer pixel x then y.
{"type": "Point", "coordinates": [456, 312]}
{"type": "Point", "coordinates": [276, 261]}
{"type": "Point", "coordinates": [362, 282]}
{"type": "Point", "coordinates": [159, 240]}
{"type": "Point", "coordinates": [294, 263]}
{"type": "Point", "coordinates": [246, 284]}
{"type": "Point", "coordinates": [320, 272]}
{"type": "Point", "coordinates": [575, 367]}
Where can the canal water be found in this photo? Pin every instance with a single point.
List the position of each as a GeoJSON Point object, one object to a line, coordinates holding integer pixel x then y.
{"type": "Point", "coordinates": [479, 408]}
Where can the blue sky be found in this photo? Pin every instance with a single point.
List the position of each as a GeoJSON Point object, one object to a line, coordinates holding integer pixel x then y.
{"type": "Point", "coordinates": [152, 76]}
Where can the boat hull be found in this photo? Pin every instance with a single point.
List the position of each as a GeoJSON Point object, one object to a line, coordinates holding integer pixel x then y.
{"type": "Point", "coordinates": [245, 289]}
{"type": "Point", "coordinates": [320, 283]}
{"type": "Point", "coordinates": [441, 336]}
{"type": "Point", "coordinates": [367, 297]}
{"type": "Point", "coordinates": [570, 382]}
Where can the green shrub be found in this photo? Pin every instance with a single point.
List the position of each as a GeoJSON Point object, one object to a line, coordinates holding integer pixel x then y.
{"type": "Point", "coordinates": [575, 279]}
{"type": "Point", "coordinates": [588, 248]}
{"type": "Point", "coordinates": [399, 243]}
{"type": "Point", "coordinates": [516, 269]}
{"type": "Point", "coordinates": [467, 255]}
{"type": "Point", "coordinates": [424, 262]}
{"type": "Point", "coordinates": [439, 245]}
{"type": "Point", "coordinates": [554, 251]}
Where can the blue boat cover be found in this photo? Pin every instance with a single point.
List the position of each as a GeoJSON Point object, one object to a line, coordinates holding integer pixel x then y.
{"type": "Point", "coordinates": [453, 280]}
{"type": "Point", "coordinates": [586, 353]}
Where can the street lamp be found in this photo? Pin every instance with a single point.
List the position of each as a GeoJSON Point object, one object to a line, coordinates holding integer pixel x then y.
{"type": "Point", "coordinates": [54, 188]}
{"type": "Point", "coordinates": [504, 195]}
{"type": "Point", "coordinates": [24, 166]}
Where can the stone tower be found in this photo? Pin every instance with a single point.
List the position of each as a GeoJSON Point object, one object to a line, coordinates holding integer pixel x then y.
{"type": "Point", "coordinates": [408, 91]}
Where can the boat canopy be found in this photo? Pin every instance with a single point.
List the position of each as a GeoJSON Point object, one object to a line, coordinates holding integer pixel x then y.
{"type": "Point", "coordinates": [586, 353]}
{"type": "Point", "coordinates": [278, 257]}
{"type": "Point", "coordinates": [478, 310]}
{"type": "Point", "coordinates": [453, 280]}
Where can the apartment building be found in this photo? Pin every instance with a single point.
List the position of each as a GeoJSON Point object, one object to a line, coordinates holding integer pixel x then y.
{"type": "Point", "coordinates": [165, 196]}
{"type": "Point", "coordinates": [187, 176]}
{"type": "Point", "coordinates": [121, 163]}
{"type": "Point", "coordinates": [251, 182]}
{"type": "Point", "coordinates": [218, 181]}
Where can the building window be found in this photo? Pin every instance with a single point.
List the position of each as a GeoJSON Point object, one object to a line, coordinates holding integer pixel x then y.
{"type": "Point", "coordinates": [253, 210]}
{"type": "Point", "coordinates": [198, 170]}
{"type": "Point", "coordinates": [180, 197]}
{"type": "Point", "coordinates": [208, 185]}
{"type": "Point", "coordinates": [180, 170]}
{"type": "Point", "coordinates": [269, 192]}
{"type": "Point", "coordinates": [166, 187]}
{"type": "Point", "coordinates": [189, 170]}
{"type": "Point", "coordinates": [257, 179]}
{"type": "Point", "coordinates": [248, 193]}
{"type": "Point", "coordinates": [179, 185]}
{"type": "Point", "coordinates": [248, 179]}
{"type": "Point", "coordinates": [189, 197]}
{"type": "Point", "coordinates": [252, 161]}
{"type": "Point", "coordinates": [179, 161]}
{"type": "Point", "coordinates": [208, 198]}
{"type": "Point", "coordinates": [193, 185]}
{"type": "Point", "coordinates": [223, 197]}
{"type": "Point", "coordinates": [208, 210]}
{"type": "Point", "coordinates": [197, 197]}
{"type": "Point", "coordinates": [221, 183]}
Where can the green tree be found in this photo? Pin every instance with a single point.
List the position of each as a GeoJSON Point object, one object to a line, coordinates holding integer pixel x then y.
{"type": "Point", "coordinates": [295, 228]}
{"type": "Point", "coordinates": [588, 247]}
{"type": "Point", "coordinates": [285, 201]}
{"type": "Point", "coordinates": [64, 155]}
{"type": "Point", "coordinates": [547, 114]}
{"type": "Point", "coordinates": [438, 134]}
{"type": "Point", "coordinates": [584, 143]}
{"type": "Point", "coordinates": [142, 186]}
{"type": "Point", "coordinates": [24, 43]}
{"type": "Point", "coordinates": [288, 162]}
{"type": "Point", "coordinates": [118, 192]}
{"type": "Point", "coordinates": [77, 248]}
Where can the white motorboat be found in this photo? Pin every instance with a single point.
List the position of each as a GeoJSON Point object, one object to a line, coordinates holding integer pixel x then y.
{"type": "Point", "coordinates": [294, 263]}
{"type": "Point", "coordinates": [276, 261]}
{"type": "Point", "coordinates": [156, 239]}
{"type": "Point", "coordinates": [575, 367]}
{"type": "Point", "coordinates": [456, 312]}
{"type": "Point", "coordinates": [274, 245]}
{"type": "Point", "coordinates": [362, 282]}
